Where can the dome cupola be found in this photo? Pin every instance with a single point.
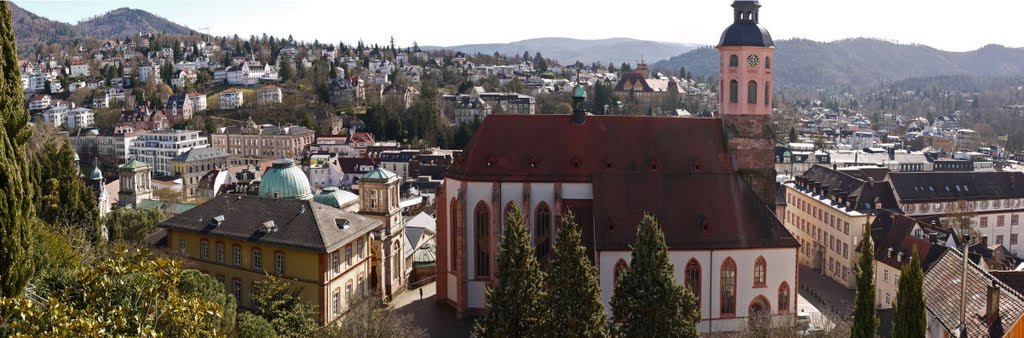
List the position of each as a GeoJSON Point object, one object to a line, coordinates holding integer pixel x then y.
{"type": "Point", "coordinates": [745, 29]}
{"type": "Point", "coordinates": [285, 180]}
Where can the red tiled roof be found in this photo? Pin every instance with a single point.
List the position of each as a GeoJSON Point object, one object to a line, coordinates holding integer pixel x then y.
{"type": "Point", "coordinates": [677, 169]}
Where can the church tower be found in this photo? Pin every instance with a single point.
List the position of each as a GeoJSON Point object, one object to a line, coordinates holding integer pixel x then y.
{"type": "Point", "coordinates": [379, 197]}
{"type": "Point", "coordinates": [745, 97]}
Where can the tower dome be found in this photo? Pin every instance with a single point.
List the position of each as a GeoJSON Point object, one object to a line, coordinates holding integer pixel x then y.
{"type": "Point", "coordinates": [335, 197]}
{"type": "Point", "coordinates": [97, 175]}
{"type": "Point", "coordinates": [745, 29]}
{"type": "Point", "coordinates": [285, 180]}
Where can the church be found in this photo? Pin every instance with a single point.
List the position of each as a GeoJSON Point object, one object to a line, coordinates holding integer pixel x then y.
{"type": "Point", "coordinates": [709, 181]}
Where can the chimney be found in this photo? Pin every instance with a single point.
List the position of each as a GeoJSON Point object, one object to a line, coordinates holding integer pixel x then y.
{"type": "Point", "coordinates": [992, 301]}
{"type": "Point", "coordinates": [933, 238]}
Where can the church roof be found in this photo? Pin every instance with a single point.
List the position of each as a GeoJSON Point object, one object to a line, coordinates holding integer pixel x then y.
{"type": "Point", "coordinates": [677, 169]}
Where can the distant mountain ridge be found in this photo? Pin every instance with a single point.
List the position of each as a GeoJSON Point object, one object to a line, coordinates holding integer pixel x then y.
{"type": "Point", "coordinates": [568, 50]}
{"type": "Point", "coordinates": [32, 30]}
{"type": "Point", "coordinates": [857, 62]}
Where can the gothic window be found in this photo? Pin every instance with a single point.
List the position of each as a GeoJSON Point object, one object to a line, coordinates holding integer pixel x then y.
{"type": "Point", "coordinates": [728, 287]}
{"type": "Point", "coordinates": [734, 60]}
{"type": "Point", "coordinates": [620, 267]}
{"type": "Point", "coordinates": [482, 229]}
{"type": "Point", "coordinates": [734, 91]}
{"type": "Point", "coordinates": [454, 215]}
{"type": "Point", "coordinates": [752, 91]}
{"type": "Point", "coordinates": [542, 232]}
{"type": "Point", "coordinates": [692, 276]}
{"type": "Point", "coordinates": [784, 297]}
{"type": "Point", "coordinates": [760, 272]}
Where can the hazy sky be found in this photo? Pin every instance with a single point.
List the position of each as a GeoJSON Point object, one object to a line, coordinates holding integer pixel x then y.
{"type": "Point", "coordinates": [944, 24]}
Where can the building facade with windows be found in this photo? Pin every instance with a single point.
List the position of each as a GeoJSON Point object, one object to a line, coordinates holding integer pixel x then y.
{"type": "Point", "coordinates": [192, 165]}
{"type": "Point", "coordinates": [159, 148]}
{"type": "Point", "coordinates": [725, 242]}
{"type": "Point", "coordinates": [252, 143]}
{"type": "Point", "coordinates": [828, 211]}
{"type": "Point", "coordinates": [993, 201]}
{"type": "Point", "coordinates": [323, 251]}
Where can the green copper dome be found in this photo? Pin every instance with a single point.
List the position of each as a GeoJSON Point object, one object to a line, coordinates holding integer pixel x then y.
{"type": "Point", "coordinates": [133, 164]}
{"type": "Point", "coordinates": [579, 91]}
{"type": "Point", "coordinates": [378, 173]}
{"type": "Point", "coordinates": [97, 175]}
{"type": "Point", "coordinates": [426, 256]}
{"type": "Point", "coordinates": [335, 197]}
{"type": "Point", "coordinates": [285, 180]}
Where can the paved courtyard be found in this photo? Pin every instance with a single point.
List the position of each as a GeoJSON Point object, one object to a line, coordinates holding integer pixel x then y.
{"type": "Point", "coordinates": [823, 298]}
{"type": "Point", "coordinates": [437, 320]}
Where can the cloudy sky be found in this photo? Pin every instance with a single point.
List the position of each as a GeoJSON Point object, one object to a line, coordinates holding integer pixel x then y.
{"type": "Point", "coordinates": [945, 24]}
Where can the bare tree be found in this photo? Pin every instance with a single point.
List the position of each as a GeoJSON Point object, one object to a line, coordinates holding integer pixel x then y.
{"type": "Point", "coordinates": [367, 317]}
{"type": "Point", "coordinates": [961, 218]}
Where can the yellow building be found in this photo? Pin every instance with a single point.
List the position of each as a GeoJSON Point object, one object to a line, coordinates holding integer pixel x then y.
{"type": "Point", "coordinates": [827, 211]}
{"type": "Point", "coordinates": [324, 251]}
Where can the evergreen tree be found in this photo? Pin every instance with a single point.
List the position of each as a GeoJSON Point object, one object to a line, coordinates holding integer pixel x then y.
{"type": "Point", "coordinates": [515, 306]}
{"type": "Point", "coordinates": [63, 199]}
{"type": "Point", "coordinates": [647, 302]}
{"type": "Point", "coordinates": [865, 318]}
{"type": "Point", "coordinates": [573, 291]}
{"type": "Point", "coordinates": [792, 135]}
{"type": "Point", "coordinates": [910, 320]}
{"type": "Point", "coordinates": [16, 191]}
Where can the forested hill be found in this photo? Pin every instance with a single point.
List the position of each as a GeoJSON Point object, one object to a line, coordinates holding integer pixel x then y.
{"type": "Point", "coordinates": [806, 64]}
{"type": "Point", "coordinates": [33, 31]}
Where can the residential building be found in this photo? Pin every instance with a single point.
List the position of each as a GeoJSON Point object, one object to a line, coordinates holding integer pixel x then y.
{"type": "Point", "coordinates": [147, 70]}
{"type": "Point", "coordinates": [144, 119]}
{"type": "Point", "coordinates": [895, 237]}
{"type": "Point", "coordinates": [398, 161]}
{"type": "Point", "coordinates": [159, 148]}
{"type": "Point", "coordinates": [178, 109]}
{"type": "Point", "coordinates": [347, 91]}
{"type": "Point", "coordinates": [254, 143]}
{"type": "Point", "coordinates": [110, 145]}
{"type": "Point", "coordinates": [655, 94]}
{"type": "Point", "coordinates": [725, 243]}
{"type": "Point", "coordinates": [101, 100]}
{"type": "Point", "coordinates": [197, 100]}
{"type": "Point", "coordinates": [511, 103]}
{"type": "Point", "coordinates": [398, 95]}
{"type": "Point", "coordinates": [324, 171]}
{"type": "Point", "coordinates": [79, 69]}
{"type": "Point", "coordinates": [828, 211]}
{"type": "Point", "coordinates": [231, 99]}
{"type": "Point", "coordinates": [79, 118]}
{"type": "Point", "coordinates": [994, 201]}
{"type": "Point", "coordinates": [39, 102]}
{"type": "Point", "coordinates": [195, 163]}
{"type": "Point", "coordinates": [268, 94]}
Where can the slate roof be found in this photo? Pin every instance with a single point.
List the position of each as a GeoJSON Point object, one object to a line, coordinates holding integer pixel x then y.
{"type": "Point", "coordinates": [300, 224]}
{"type": "Point", "coordinates": [1013, 279]}
{"type": "Point", "coordinates": [200, 154]}
{"type": "Point", "coordinates": [860, 192]}
{"type": "Point", "coordinates": [677, 169]}
{"type": "Point", "coordinates": [942, 297]}
{"type": "Point", "coordinates": [890, 230]}
{"type": "Point", "coordinates": [954, 186]}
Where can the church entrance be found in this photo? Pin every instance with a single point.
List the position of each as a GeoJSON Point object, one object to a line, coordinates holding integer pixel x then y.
{"type": "Point", "coordinates": [759, 313]}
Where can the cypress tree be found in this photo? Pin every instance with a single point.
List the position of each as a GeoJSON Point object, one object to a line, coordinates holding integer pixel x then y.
{"type": "Point", "coordinates": [63, 199]}
{"type": "Point", "coordinates": [910, 320]}
{"type": "Point", "coordinates": [865, 318]}
{"type": "Point", "coordinates": [16, 209]}
{"type": "Point", "coordinates": [515, 305]}
{"type": "Point", "coordinates": [574, 294]}
{"type": "Point", "coordinates": [647, 301]}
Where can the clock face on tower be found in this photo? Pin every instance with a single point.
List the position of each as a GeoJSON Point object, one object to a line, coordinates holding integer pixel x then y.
{"type": "Point", "coordinates": [752, 60]}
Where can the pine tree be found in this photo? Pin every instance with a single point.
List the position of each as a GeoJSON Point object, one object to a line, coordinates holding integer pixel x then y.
{"type": "Point", "coordinates": [865, 319]}
{"type": "Point", "coordinates": [910, 320]}
{"type": "Point", "coordinates": [16, 209]}
{"type": "Point", "coordinates": [573, 290]}
{"type": "Point", "coordinates": [647, 301]}
{"type": "Point", "coordinates": [515, 306]}
{"type": "Point", "coordinates": [64, 199]}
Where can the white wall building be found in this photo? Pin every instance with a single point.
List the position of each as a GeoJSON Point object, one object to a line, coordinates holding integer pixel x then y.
{"type": "Point", "coordinates": [230, 99]}
{"type": "Point", "coordinates": [158, 148]}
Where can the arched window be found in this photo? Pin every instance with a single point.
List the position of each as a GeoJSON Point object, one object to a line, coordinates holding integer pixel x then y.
{"type": "Point", "coordinates": [501, 225]}
{"type": "Point", "coordinates": [784, 297]}
{"type": "Point", "coordinates": [760, 272]}
{"type": "Point", "coordinates": [482, 229]}
{"type": "Point", "coordinates": [734, 60]}
{"type": "Point", "coordinates": [752, 91]}
{"type": "Point", "coordinates": [728, 287]}
{"type": "Point", "coordinates": [454, 248]}
{"type": "Point", "coordinates": [734, 91]}
{"type": "Point", "coordinates": [542, 232]}
{"type": "Point", "coordinates": [767, 92]}
{"type": "Point", "coordinates": [767, 62]}
{"type": "Point", "coordinates": [692, 278]}
{"type": "Point", "coordinates": [620, 267]}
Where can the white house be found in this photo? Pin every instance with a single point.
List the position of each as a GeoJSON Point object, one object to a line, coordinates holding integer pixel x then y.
{"type": "Point", "coordinates": [197, 100]}
{"type": "Point", "coordinates": [79, 69]}
{"type": "Point", "coordinates": [230, 99]}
